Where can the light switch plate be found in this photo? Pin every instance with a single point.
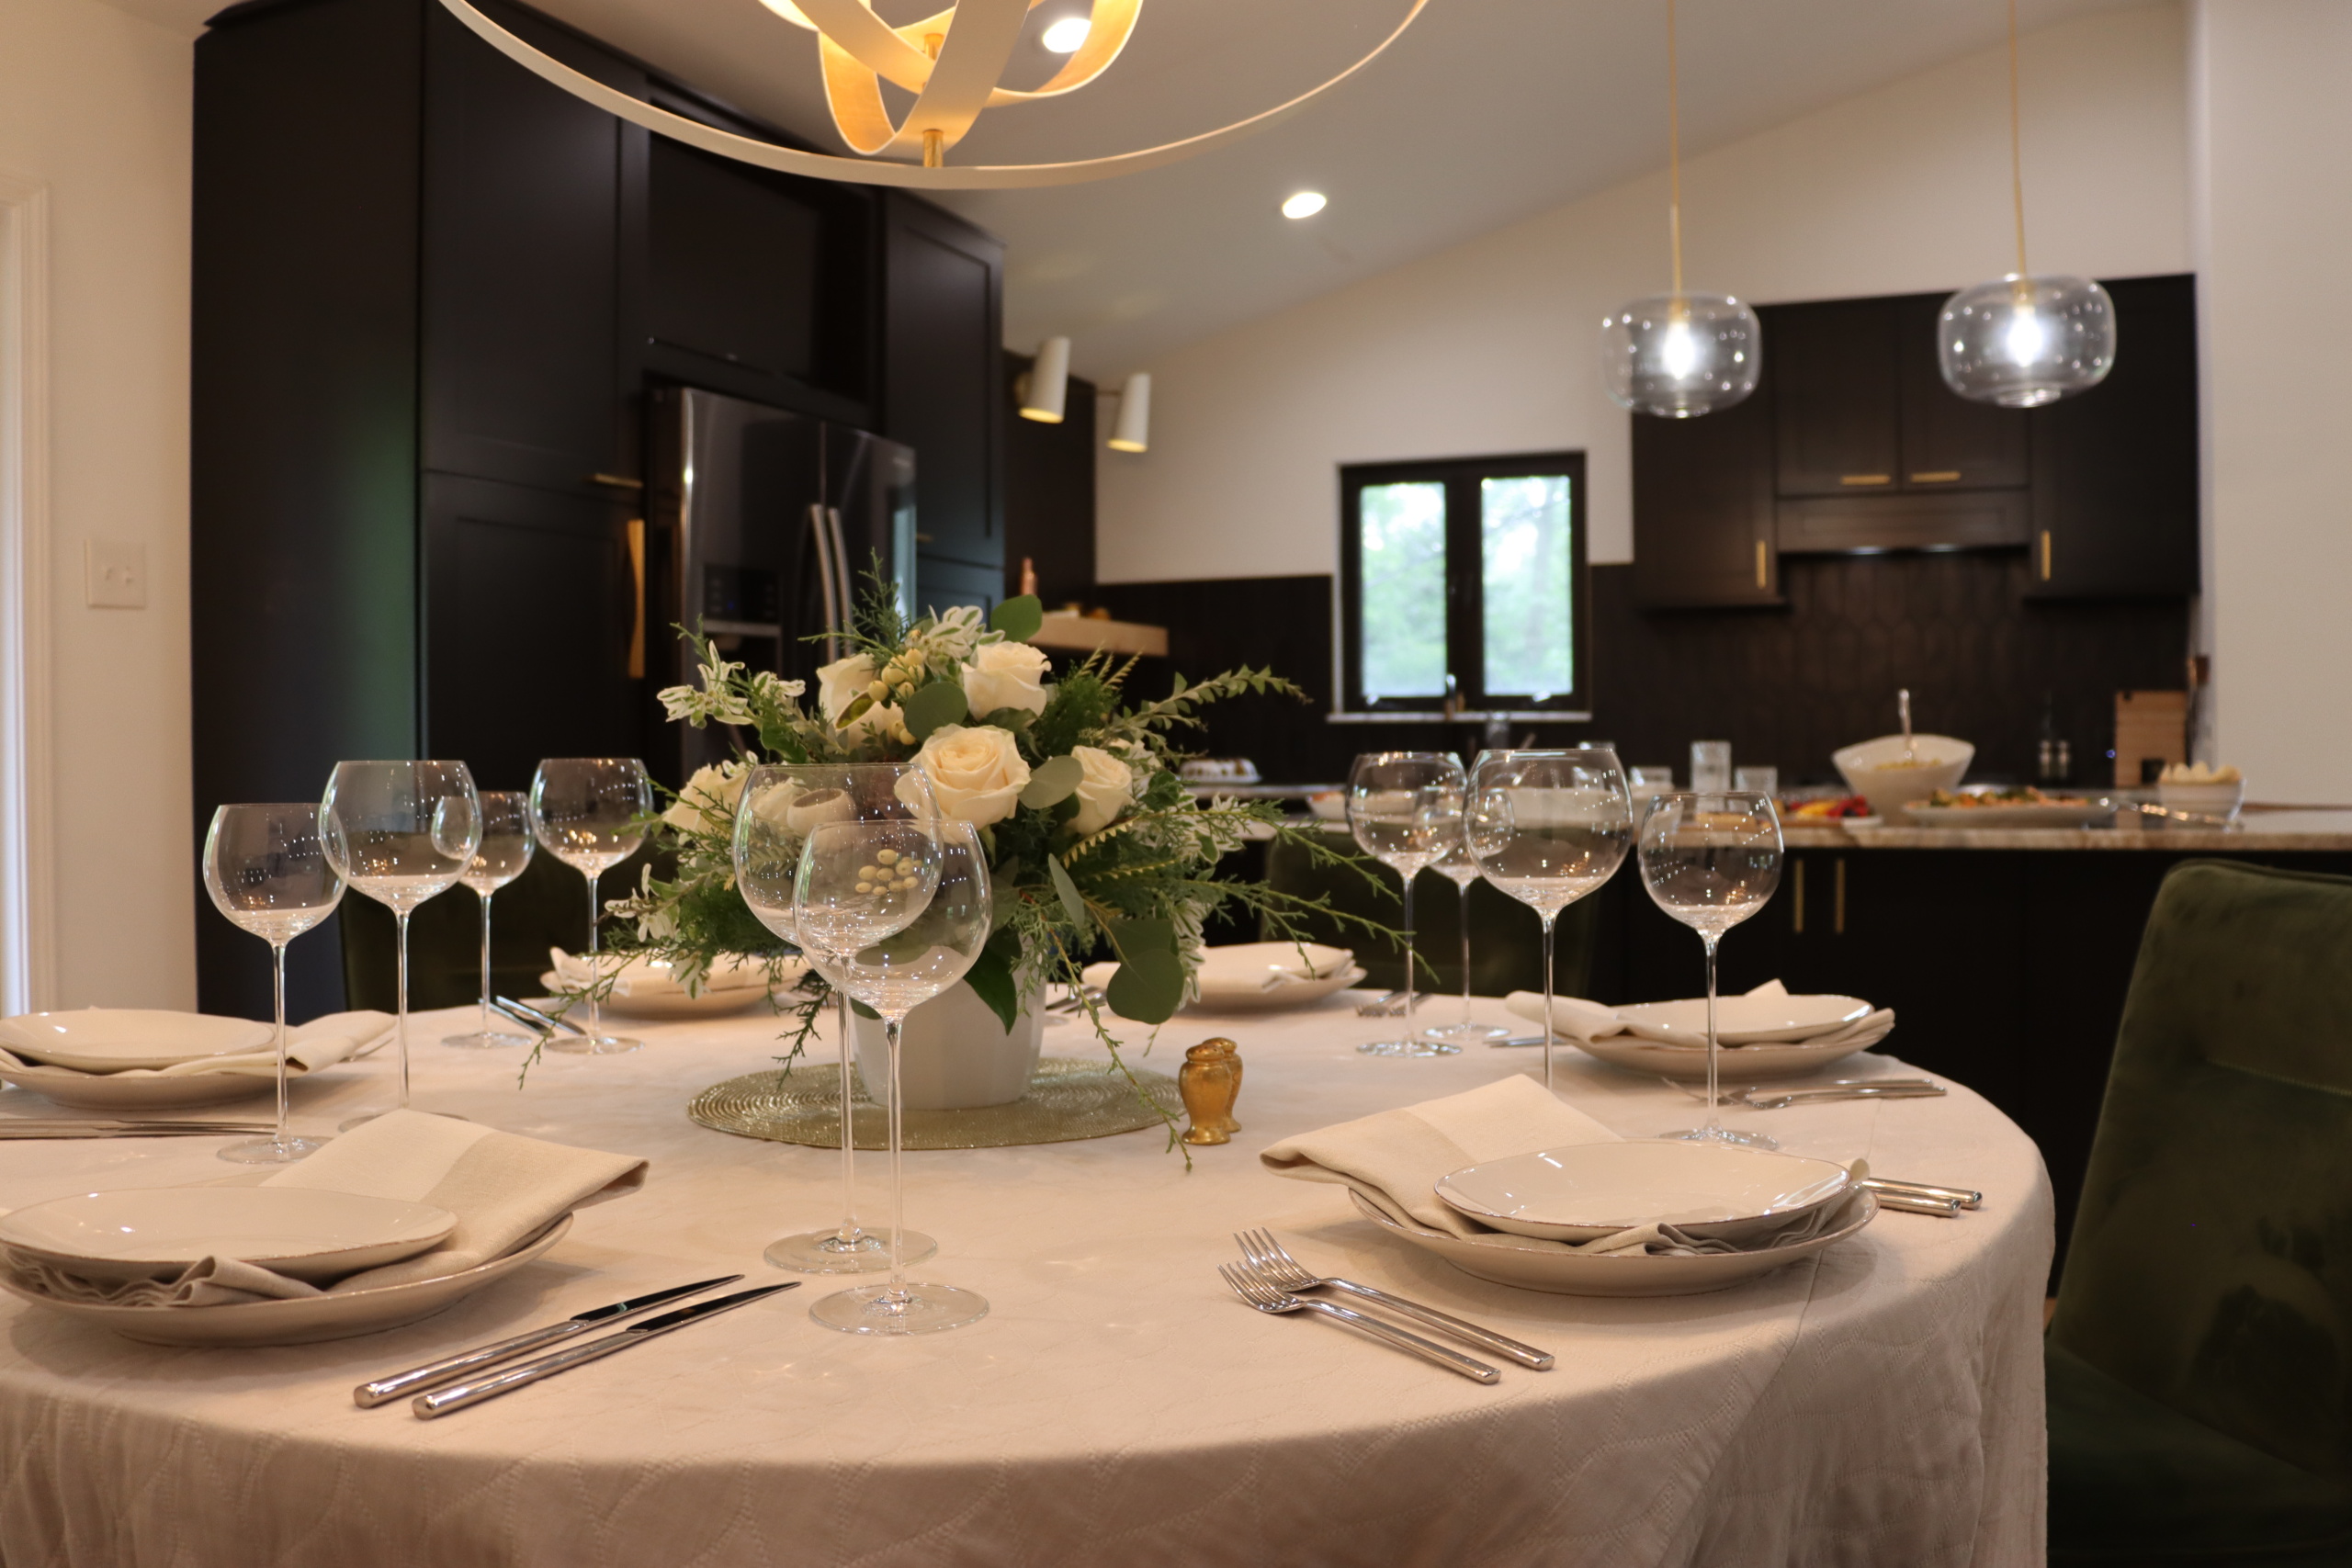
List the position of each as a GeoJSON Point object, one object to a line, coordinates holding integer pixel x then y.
{"type": "Point", "coordinates": [114, 574]}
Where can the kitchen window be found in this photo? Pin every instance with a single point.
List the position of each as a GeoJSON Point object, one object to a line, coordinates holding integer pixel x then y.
{"type": "Point", "coordinates": [1462, 588]}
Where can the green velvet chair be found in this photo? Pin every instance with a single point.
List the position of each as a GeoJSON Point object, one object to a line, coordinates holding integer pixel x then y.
{"type": "Point", "coordinates": [1506, 941]}
{"type": "Point", "coordinates": [2201, 1356]}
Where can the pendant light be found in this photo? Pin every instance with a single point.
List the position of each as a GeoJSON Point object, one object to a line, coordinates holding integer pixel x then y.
{"type": "Point", "coordinates": [2023, 341]}
{"type": "Point", "coordinates": [1678, 355]}
{"type": "Point", "coordinates": [1043, 392]}
{"type": "Point", "coordinates": [1133, 432]}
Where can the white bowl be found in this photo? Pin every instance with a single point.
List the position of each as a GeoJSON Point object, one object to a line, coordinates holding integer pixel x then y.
{"type": "Point", "coordinates": [1587, 1190]}
{"type": "Point", "coordinates": [153, 1232]}
{"type": "Point", "coordinates": [1889, 790]}
{"type": "Point", "coordinates": [1328, 805]}
{"type": "Point", "coordinates": [2221, 800]}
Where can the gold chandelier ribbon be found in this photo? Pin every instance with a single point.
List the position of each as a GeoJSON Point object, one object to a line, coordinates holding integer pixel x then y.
{"type": "Point", "coordinates": [862, 171]}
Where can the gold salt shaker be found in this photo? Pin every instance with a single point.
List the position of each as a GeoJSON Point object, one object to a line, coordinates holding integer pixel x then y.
{"type": "Point", "coordinates": [1209, 1081]}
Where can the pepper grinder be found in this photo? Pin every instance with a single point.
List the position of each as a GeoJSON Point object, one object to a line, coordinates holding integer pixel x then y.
{"type": "Point", "coordinates": [1209, 1081]}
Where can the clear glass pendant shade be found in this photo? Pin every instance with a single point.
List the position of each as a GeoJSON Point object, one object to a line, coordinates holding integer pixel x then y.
{"type": "Point", "coordinates": [1679, 356]}
{"type": "Point", "coordinates": [2023, 342]}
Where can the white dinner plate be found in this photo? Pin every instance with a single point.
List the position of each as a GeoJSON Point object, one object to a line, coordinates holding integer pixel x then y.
{"type": "Point", "coordinates": [110, 1040]}
{"type": "Point", "coordinates": [1587, 1190]}
{"type": "Point", "coordinates": [661, 1004]}
{"type": "Point", "coordinates": [1580, 1274]}
{"type": "Point", "coordinates": [1261, 977]}
{"type": "Point", "coordinates": [303, 1322]}
{"type": "Point", "coordinates": [1741, 1064]}
{"type": "Point", "coordinates": [153, 1232]}
{"type": "Point", "coordinates": [146, 1091]}
{"type": "Point", "coordinates": [2087, 815]}
{"type": "Point", "coordinates": [1743, 1021]}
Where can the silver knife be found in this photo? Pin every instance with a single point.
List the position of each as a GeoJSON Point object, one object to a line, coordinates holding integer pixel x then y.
{"type": "Point", "coordinates": [449, 1368]}
{"type": "Point", "coordinates": [532, 1017]}
{"type": "Point", "coordinates": [428, 1406]}
{"type": "Point", "coordinates": [1965, 1197]}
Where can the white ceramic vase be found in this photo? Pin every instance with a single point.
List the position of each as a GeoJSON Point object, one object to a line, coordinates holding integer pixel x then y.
{"type": "Point", "coordinates": [955, 1054]}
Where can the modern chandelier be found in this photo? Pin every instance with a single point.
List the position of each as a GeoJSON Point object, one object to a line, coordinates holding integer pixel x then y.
{"type": "Point", "coordinates": [2023, 341]}
{"type": "Point", "coordinates": [1680, 355]}
{"type": "Point", "coordinates": [952, 61]}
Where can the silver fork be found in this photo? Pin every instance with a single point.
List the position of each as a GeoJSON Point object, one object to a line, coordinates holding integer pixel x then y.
{"type": "Point", "coordinates": [1388, 1004]}
{"type": "Point", "coordinates": [1837, 1089]}
{"type": "Point", "coordinates": [1265, 1298]}
{"type": "Point", "coordinates": [1271, 1263]}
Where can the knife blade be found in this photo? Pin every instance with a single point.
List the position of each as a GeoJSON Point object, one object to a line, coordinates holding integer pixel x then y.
{"type": "Point", "coordinates": [532, 1017]}
{"type": "Point", "coordinates": [428, 1406]}
{"type": "Point", "coordinates": [433, 1374]}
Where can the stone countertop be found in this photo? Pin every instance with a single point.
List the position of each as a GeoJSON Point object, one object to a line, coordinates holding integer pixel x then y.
{"type": "Point", "coordinates": [2260, 832]}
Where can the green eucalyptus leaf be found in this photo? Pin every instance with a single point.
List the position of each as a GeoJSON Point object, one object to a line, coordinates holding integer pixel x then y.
{"type": "Point", "coordinates": [1053, 781]}
{"type": "Point", "coordinates": [991, 976]}
{"type": "Point", "coordinates": [1067, 891]}
{"type": "Point", "coordinates": [1018, 619]}
{"type": "Point", "coordinates": [1149, 985]}
{"type": "Point", "coordinates": [940, 703]}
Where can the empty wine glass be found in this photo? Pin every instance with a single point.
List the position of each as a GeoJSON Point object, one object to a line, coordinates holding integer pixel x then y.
{"type": "Point", "coordinates": [504, 851]}
{"type": "Point", "coordinates": [1404, 808]}
{"type": "Point", "coordinates": [401, 833]}
{"type": "Point", "coordinates": [268, 871]}
{"type": "Point", "coordinates": [1711, 861]}
{"type": "Point", "coordinates": [900, 911]}
{"type": "Point", "coordinates": [780, 803]}
{"type": "Point", "coordinates": [592, 813]}
{"type": "Point", "coordinates": [1461, 868]}
{"type": "Point", "coordinates": [1549, 828]}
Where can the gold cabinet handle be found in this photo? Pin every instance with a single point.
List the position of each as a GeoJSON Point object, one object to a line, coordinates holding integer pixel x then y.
{"type": "Point", "coordinates": [637, 570]}
{"type": "Point", "coordinates": [1763, 567]}
{"type": "Point", "coordinates": [1936, 477]}
{"type": "Point", "coordinates": [1865, 478]}
{"type": "Point", "coordinates": [2046, 555]}
{"type": "Point", "coordinates": [616, 481]}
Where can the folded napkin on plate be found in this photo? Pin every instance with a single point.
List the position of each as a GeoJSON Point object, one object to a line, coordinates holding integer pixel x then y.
{"type": "Point", "coordinates": [1577, 1020]}
{"type": "Point", "coordinates": [644, 977]}
{"type": "Point", "coordinates": [502, 1187]}
{"type": "Point", "coordinates": [321, 1043]}
{"type": "Point", "coordinates": [1394, 1161]}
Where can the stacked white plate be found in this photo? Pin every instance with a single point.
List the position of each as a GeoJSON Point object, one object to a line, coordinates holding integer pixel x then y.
{"type": "Point", "coordinates": [643, 987]}
{"type": "Point", "coordinates": [1262, 976]}
{"type": "Point", "coordinates": [1771, 1037]}
{"type": "Point", "coordinates": [80, 1058]}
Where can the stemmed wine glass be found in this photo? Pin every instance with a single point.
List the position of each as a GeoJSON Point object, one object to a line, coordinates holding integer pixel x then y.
{"type": "Point", "coordinates": [401, 833]}
{"type": "Point", "coordinates": [1711, 861]}
{"type": "Point", "coordinates": [1461, 868]}
{"type": "Point", "coordinates": [504, 851]}
{"type": "Point", "coordinates": [1404, 808]}
{"type": "Point", "coordinates": [900, 909]}
{"type": "Point", "coordinates": [1549, 828]}
{"type": "Point", "coordinates": [268, 871]}
{"type": "Point", "coordinates": [780, 804]}
{"type": "Point", "coordinates": [590, 813]}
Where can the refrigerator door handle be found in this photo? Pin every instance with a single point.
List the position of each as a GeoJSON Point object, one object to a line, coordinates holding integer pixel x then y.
{"type": "Point", "coordinates": [847, 579]}
{"type": "Point", "coordinates": [825, 580]}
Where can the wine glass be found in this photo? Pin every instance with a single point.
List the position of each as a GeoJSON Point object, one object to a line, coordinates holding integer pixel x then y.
{"type": "Point", "coordinates": [1549, 828]}
{"type": "Point", "coordinates": [1404, 808]}
{"type": "Point", "coordinates": [590, 813]}
{"type": "Point", "coordinates": [900, 911]}
{"type": "Point", "coordinates": [504, 851]}
{"type": "Point", "coordinates": [268, 871]}
{"type": "Point", "coordinates": [399, 832]}
{"type": "Point", "coordinates": [1461, 868]}
{"type": "Point", "coordinates": [780, 803]}
{"type": "Point", "coordinates": [1711, 861]}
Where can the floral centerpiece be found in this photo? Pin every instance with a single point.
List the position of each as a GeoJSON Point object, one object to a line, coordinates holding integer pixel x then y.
{"type": "Point", "coordinates": [1094, 843]}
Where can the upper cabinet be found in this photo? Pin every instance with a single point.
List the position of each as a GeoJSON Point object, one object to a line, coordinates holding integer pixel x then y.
{"type": "Point", "coordinates": [942, 283]}
{"type": "Point", "coordinates": [1864, 448]}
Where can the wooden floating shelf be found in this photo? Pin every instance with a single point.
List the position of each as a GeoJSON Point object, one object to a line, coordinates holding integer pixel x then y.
{"type": "Point", "coordinates": [1085, 634]}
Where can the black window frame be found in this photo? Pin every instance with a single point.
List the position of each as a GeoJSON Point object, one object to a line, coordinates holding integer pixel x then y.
{"type": "Point", "coordinates": [1464, 599]}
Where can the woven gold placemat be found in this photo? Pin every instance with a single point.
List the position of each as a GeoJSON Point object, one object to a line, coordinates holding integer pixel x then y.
{"type": "Point", "coordinates": [1068, 1100]}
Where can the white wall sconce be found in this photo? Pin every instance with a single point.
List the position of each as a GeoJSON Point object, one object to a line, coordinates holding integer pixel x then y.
{"type": "Point", "coordinates": [1043, 392]}
{"type": "Point", "coordinates": [1133, 432]}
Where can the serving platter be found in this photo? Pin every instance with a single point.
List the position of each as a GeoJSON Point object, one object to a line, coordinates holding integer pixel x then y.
{"type": "Point", "coordinates": [113, 1040]}
{"type": "Point", "coordinates": [1585, 1192]}
{"type": "Point", "coordinates": [153, 1232]}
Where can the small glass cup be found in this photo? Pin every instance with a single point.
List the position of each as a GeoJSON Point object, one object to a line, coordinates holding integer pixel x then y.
{"type": "Point", "coordinates": [1765, 782]}
{"type": "Point", "coordinates": [1709, 766]}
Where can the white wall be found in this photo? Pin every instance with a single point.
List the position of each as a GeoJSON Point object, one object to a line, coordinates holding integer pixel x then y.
{"type": "Point", "coordinates": [95, 106]}
{"type": "Point", "coordinates": [2273, 145]}
{"type": "Point", "coordinates": [1490, 346]}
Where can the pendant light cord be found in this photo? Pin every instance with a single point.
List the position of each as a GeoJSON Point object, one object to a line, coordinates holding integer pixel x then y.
{"type": "Point", "coordinates": [2017, 158]}
{"type": "Point", "coordinates": [1674, 147]}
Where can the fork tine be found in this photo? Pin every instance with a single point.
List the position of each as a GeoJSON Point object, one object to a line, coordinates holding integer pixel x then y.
{"type": "Point", "coordinates": [1246, 1242]}
{"type": "Point", "coordinates": [1273, 1260]}
{"type": "Point", "coordinates": [1225, 1272]}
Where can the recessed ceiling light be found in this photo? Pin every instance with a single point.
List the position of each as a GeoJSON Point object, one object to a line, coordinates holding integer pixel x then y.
{"type": "Point", "coordinates": [1065, 36]}
{"type": "Point", "coordinates": [1306, 204]}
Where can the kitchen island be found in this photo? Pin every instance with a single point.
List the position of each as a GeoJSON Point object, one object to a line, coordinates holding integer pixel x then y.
{"type": "Point", "coordinates": [2258, 833]}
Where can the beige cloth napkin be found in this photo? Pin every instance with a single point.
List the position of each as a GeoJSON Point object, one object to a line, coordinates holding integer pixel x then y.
{"type": "Point", "coordinates": [643, 976]}
{"type": "Point", "coordinates": [208, 1281]}
{"type": "Point", "coordinates": [321, 1043]}
{"type": "Point", "coordinates": [1579, 1021]}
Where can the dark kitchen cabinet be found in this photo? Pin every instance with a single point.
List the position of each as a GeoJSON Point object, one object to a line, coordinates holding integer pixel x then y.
{"type": "Point", "coordinates": [1049, 494]}
{"type": "Point", "coordinates": [943, 389]}
{"type": "Point", "coordinates": [2116, 496]}
{"type": "Point", "coordinates": [1951, 443]}
{"type": "Point", "coordinates": [1836, 389]}
{"type": "Point", "coordinates": [1703, 506]}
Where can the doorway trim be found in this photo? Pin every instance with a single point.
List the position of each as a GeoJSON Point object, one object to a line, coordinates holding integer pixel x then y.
{"type": "Point", "coordinates": [28, 956]}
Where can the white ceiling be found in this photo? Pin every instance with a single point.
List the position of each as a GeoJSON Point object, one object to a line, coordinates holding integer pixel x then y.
{"type": "Point", "coordinates": [1486, 111]}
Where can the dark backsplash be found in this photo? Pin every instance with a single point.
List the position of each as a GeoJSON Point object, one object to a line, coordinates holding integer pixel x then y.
{"type": "Point", "coordinates": [1786, 686]}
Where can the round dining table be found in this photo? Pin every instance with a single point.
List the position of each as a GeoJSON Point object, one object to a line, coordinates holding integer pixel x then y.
{"type": "Point", "coordinates": [1879, 1403]}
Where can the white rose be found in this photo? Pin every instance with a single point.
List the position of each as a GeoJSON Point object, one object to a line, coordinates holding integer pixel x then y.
{"type": "Point", "coordinates": [1005, 675]}
{"type": "Point", "coordinates": [844, 681]}
{"type": "Point", "coordinates": [707, 803]}
{"type": "Point", "coordinates": [975, 772]}
{"type": "Point", "coordinates": [1104, 790]}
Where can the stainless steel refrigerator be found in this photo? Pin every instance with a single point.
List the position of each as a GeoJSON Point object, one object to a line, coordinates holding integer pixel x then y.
{"type": "Point", "coordinates": [763, 526]}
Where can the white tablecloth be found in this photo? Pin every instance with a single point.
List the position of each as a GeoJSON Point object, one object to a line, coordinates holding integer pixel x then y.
{"type": "Point", "coordinates": [1880, 1406]}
